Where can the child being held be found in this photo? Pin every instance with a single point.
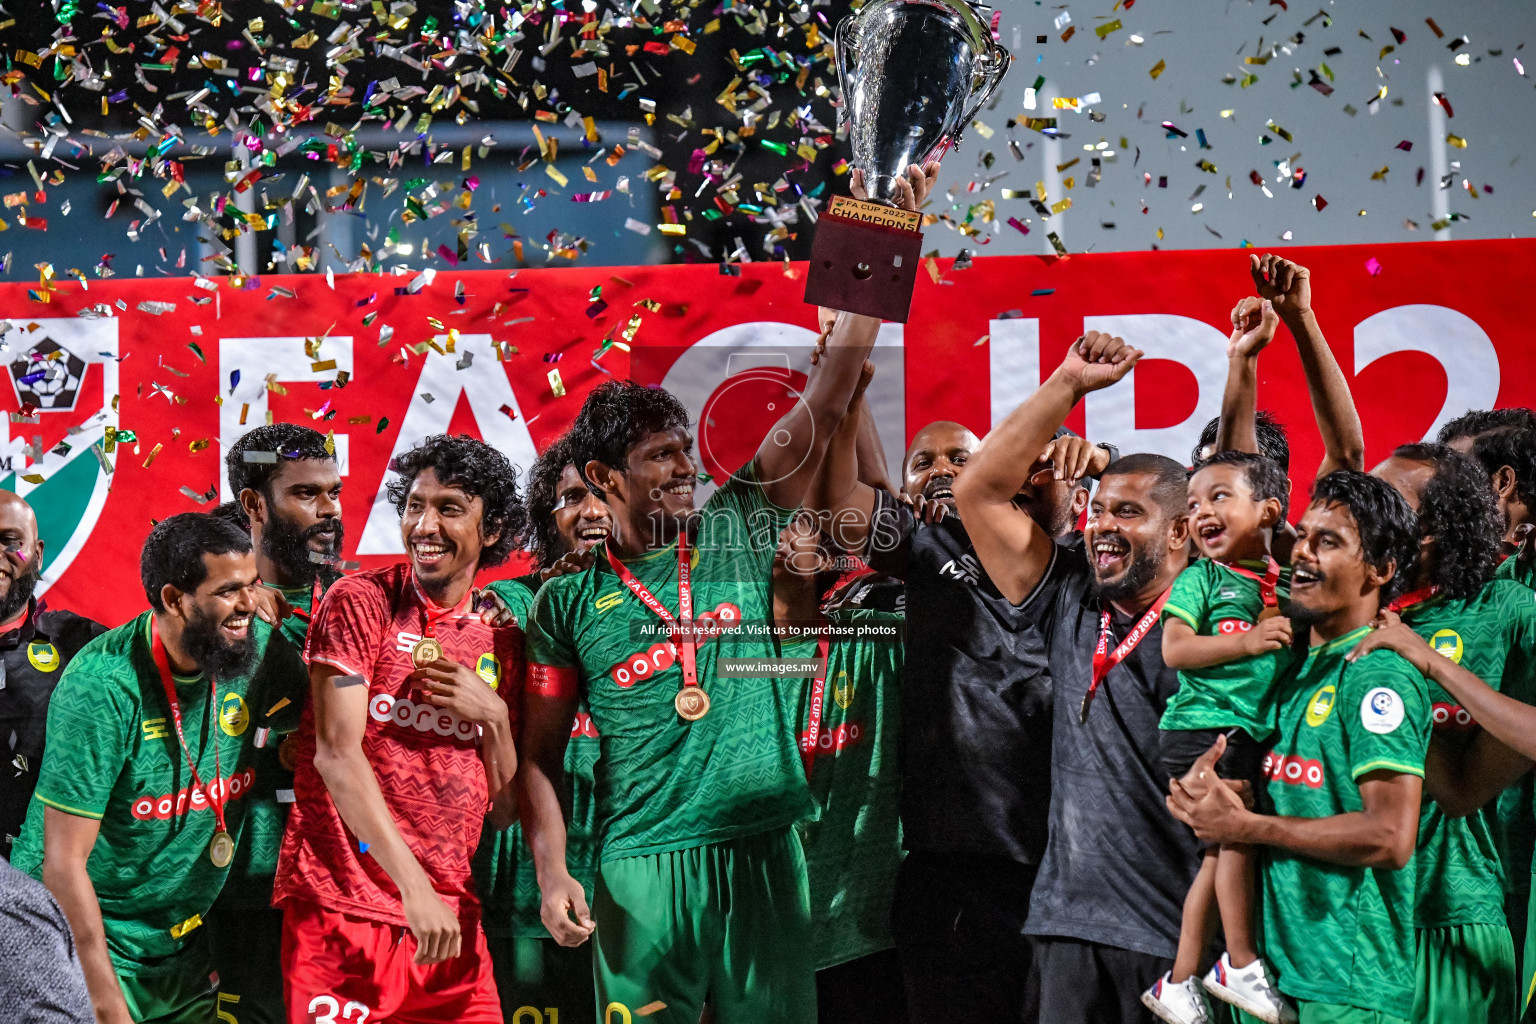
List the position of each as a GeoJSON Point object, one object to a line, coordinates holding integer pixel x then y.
{"type": "Point", "coordinates": [1224, 632]}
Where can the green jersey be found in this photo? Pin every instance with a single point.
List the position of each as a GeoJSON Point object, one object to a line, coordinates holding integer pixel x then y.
{"type": "Point", "coordinates": [266, 813]}
{"type": "Point", "coordinates": [503, 865]}
{"type": "Point", "coordinates": [1460, 878]}
{"type": "Point", "coordinates": [1519, 567]}
{"type": "Point", "coordinates": [113, 755]}
{"type": "Point", "coordinates": [1337, 934]}
{"type": "Point", "coordinates": [853, 845]}
{"type": "Point", "coordinates": [1218, 601]}
{"type": "Point", "coordinates": [664, 783]}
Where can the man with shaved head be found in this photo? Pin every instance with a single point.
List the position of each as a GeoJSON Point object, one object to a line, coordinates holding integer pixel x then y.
{"type": "Point", "coordinates": [35, 645]}
{"type": "Point", "coordinates": [976, 722]}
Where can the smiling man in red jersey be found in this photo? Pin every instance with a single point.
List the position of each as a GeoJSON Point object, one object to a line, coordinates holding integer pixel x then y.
{"type": "Point", "coordinates": [407, 740]}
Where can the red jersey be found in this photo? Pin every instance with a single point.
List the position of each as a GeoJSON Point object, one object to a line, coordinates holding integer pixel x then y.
{"type": "Point", "coordinates": [427, 759]}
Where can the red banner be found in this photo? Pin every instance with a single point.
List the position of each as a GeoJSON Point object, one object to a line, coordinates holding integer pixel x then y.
{"type": "Point", "coordinates": [1424, 332]}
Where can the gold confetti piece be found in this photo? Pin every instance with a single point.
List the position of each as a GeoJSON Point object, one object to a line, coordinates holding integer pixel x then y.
{"type": "Point", "coordinates": [555, 174]}
{"type": "Point", "coordinates": [933, 269]}
{"type": "Point", "coordinates": [1059, 206]}
{"type": "Point", "coordinates": [33, 478]}
{"type": "Point", "coordinates": [1455, 140]}
{"type": "Point", "coordinates": [275, 708]}
{"type": "Point", "coordinates": [650, 1008]}
{"type": "Point", "coordinates": [1158, 68]}
{"type": "Point", "coordinates": [155, 451]}
{"type": "Point", "coordinates": [1279, 131]}
{"type": "Point", "coordinates": [556, 385]}
{"type": "Point", "coordinates": [1108, 27]}
{"type": "Point", "coordinates": [1380, 175]}
{"type": "Point", "coordinates": [328, 364]}
{"type": "Point", "coordinates": [1255, 60]}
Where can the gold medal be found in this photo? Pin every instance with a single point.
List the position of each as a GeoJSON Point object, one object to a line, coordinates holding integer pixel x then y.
{"type": "Point", "coordinates": [222, 850]}
{"type": "Point", "coordinates": [426, 651]}
{"type": "Point", "coordinates": [692, 703]}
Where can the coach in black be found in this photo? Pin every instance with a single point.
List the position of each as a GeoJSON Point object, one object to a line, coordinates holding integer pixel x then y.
{"type": "Point", "coordinates": [1106, 908]}
{"type": "Point", "coordinates": [35, 645]}
{"type": "Point", "coordinates": [975, 745]}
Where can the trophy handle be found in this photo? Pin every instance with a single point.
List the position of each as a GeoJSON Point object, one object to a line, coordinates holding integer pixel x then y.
{"type": "Point", "coordinates": [843, 44]}
{"type": "Point", "coordinates": [991, 72]}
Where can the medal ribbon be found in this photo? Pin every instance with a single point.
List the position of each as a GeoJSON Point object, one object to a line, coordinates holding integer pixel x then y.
{"type": "Point", "coordinates": [435, 614]}
{"type": "Point", "coordinates": [314, 602]}
{"type": "Point", "coordinates": [818, 698]}
{"type": "Point", "coordinates": [682, 635]}
{"type": "Point", "coordinates": [1266, 583]}
{"type": "Point", "coordinates": [1104, 659]}
{"type": "Point", "coordinates": [1403, 602]}
{"type": "Point", "coordinates": [163, 663]}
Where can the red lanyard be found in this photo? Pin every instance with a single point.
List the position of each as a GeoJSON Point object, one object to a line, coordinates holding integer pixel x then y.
{"type": "Point", "coordinates": [682, 635]}
{"type": "Point", "coordinates": [314, 602]}
{"type": "Point", "coordinates": [1104, 659]}
{"type": "Point", "coordinates": [435, 614]}
{"type": "Point", "coordinates": [1403, 602]}
{"type": "Point", "coordinates": [818, 698]}
{"type": "Point", "coordinates": [163, 663]}
{"type": "Point", "coordinates": [1266, 582]}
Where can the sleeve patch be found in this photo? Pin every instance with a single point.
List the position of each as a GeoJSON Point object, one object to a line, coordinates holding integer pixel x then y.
{"type": "Point", "coordinates": [1382, 710]}
{"type": "Point", "coordinates": [552, 681]}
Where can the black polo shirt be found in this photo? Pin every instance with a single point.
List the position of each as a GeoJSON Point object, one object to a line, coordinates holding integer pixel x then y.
{"type": "Point", "coordinates": [1117, 865]}
{"type": "Point", "coordinates": [976, 697]}
{"type": "Point", "coordinates": [32, 658]}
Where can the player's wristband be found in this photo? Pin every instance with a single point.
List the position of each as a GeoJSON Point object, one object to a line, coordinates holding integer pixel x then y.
{"type": "Point", "coordinates": [552, 681]}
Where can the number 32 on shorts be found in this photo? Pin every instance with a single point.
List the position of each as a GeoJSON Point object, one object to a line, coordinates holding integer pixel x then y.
{"type": "Point", "coordinates": [327, 1009]}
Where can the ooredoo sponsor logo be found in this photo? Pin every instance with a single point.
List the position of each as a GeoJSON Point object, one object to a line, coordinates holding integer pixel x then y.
{"type": "Point", "coordinates": [1230, 627]}
{"type": "Point", "coordinates": [831, 741]}
{"type": "Point", "coordinates": [172, 805]}
{"type": "Point", "coordinates": [408, 714]}
{"type": "Point", "coordinates": [1451, 717]}
{"type": "Point", "coordinates": [1295, 771]}
{"type": "Point", "coordinates": [661, 656]}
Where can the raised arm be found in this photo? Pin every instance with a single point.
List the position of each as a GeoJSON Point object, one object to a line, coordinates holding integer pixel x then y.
{"type": "Point", "coordinates": [67, 843]}
{"type": "Point", "coordinates": [1253, 327]}
{"type": "Point", "coordinates": [843, 502]}
{"type": "Point", "coordinates": [341, 716]}
{"type": "Point", "coordinates": [546, 733]}
{"type": "Point", "coordinates": [873, 468]}
{"type": "Point", "coordinates": [1013, 548]}
{"type": "Point", "coordinates": [1289, 286]}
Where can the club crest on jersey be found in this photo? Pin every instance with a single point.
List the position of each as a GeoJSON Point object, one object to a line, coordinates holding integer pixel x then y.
{"type": "Point", "coordinates": [1320, 706]}
{"type": "Point", "coordinates": [43, 656]}
{"type": "Point", "coordinates": [234, 716]}
{"type": "Point", "coordinates": [1448, 643]}
{"type": "Point", "coordinates": [1381, 712]}
{"type": "Point", "coordinates": [489, 669]}
{"type": "Point", "coordinates": [842, 692]}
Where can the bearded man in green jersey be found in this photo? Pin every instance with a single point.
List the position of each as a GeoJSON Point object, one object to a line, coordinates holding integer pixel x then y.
{"type": "Point", "coordinates": [532, 970]}
{"type": "Point", "coordinates": [1345, 775]}
{"type": "Point", "coordinates": [288, 487]}
{"type": "Point", "coordinates": [152, 736]}
{"type": "Point", "coordinates": [1509, 457]}
{"type": "Point", "coordinates": [1466, 956]}
{"type": "Point", "coordinates": [701, 890]}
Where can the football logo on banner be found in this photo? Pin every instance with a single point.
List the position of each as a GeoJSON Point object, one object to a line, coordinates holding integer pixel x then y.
{"type": "Point", "coordinates": [55, 452]}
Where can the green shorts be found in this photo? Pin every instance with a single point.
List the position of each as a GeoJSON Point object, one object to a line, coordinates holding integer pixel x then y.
{"type": "Point", "coordinates": [541, 981]}
{"type": "Point", "coordinates": [179, 992]}
{"type": "Point", "coordinates": [247, 944]}
{"type": "Point", "coordinates": [1332, 1013]}
{"type": "Point", "coordinates": [730, 923]}
{"type": "Point", "coordinates": [1465, 973]}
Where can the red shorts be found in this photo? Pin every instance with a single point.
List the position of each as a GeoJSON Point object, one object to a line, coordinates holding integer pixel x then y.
{"type": "Point", "coordinates": [342, 969]}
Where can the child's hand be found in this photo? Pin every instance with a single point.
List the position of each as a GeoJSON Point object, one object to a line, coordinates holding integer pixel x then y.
{"type": "Point", "coordinates": [1269, 634]}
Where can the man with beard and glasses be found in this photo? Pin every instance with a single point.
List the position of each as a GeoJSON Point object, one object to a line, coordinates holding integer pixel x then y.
{"type": "Point", "coordinates": [1106, 908]}
{"type": "Point", "coordinates": [566, 521]}
{"type": "Point", "coordinates": [36, 645]}
{"type": "Point", "coordinates": [287, 483]}
{"type": "Point", "coordinates": [976, 697]}
{"type": "Point", "coordinates": [1345, 776]}
{"type": "Point", "coordinates": [141, 801]}
{"type": "Point", "coordinates": [406, 739]}
{"type": "Point", "coordinates": [701, 890]}
{"type": "Point", "coordinates": [1486, 627]}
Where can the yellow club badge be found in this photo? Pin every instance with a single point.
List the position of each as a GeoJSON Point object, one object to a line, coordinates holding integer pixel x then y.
{"type": "Point", "coordinates": [842, 692]}
{"type": "Point", "coordinates": [234, 716]}
{"type": "Point", "coordinates": [489, 669]}
{"type": "Point", "coordinates": [1448, 643]}
{"type": "Point", "coordinates": [1320, 706]}
{"type": "Point", "coordinates": [43, 656]}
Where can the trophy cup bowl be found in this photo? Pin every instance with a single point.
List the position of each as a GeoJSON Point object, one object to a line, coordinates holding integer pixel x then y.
{"type": "Point", "coordinates": [913, 74]}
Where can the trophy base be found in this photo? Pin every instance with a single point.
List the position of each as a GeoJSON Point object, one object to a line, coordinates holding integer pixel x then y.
{"type": "Point", "coordinates": [864, 259]}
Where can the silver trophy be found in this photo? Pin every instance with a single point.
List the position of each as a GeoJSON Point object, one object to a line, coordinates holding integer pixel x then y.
{"type": "Point", "coordinates": [913, 74]}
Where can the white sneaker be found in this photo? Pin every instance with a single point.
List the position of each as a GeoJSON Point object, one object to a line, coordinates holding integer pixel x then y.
{"type": "Point", "coordinates": [1184, 1003]}
{"type": "Point", "coordinates": [1250, 990]}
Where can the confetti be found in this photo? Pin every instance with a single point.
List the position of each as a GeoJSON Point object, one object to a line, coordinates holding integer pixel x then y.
{"type": "Point", "coordinates": [1373, 266]}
